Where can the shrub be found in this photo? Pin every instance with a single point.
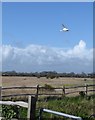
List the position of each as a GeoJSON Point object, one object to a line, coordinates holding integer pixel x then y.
{"type": "Point", "coordinates": [82, 93]}
{"type": "Point", "coordinates": [48, 87]}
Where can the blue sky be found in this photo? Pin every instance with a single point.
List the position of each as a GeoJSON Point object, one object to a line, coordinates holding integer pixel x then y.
{"type": "Point", "coordinates": [38, 24]}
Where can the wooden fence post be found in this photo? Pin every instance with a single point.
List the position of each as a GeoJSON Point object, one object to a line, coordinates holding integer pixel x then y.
{"type": "Point", "coordinates": [86, 88]}
{"type": "Point", "coordinates": [0, 100]}
{"type": "Point", "coordinates": [31, 115]}
{"type": "Point", "coordinates": [37, 93]}
{"type": "Point", "coordinates": [63, 91]}
{"type": "Point", "coordinates": [0, 93]}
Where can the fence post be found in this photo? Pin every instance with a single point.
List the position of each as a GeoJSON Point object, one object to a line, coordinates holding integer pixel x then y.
{"type": "Point", "coordinates": [40, 114]}
{"type": "Point", "coordinates": [0, 93]}
{"type": "Point", "coordinates": [0, 100]}
{"type": "Point", "coordinates": [37, 92]}
{"type": "Point", "coordinates": [86, 88]}
{"type": "Point", "coordinates": [63, 91]}
{"type": "Point", "coordinates": [31, 115]}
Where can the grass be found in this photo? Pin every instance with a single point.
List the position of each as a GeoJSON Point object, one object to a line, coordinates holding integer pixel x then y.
{"type": "Point", "coordinates": [0, 110]}
{"type": "Point", "coordinates": [78, 106]}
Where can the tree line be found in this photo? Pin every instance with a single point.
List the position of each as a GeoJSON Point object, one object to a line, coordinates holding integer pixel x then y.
{"type": "Point", "coordinates": [48, 74]}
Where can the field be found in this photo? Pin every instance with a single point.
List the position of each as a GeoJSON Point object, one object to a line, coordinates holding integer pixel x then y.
{"type": "Point", "coordinates": [34, 81]}
{"type": "Point", "coordinates": [81, 106]}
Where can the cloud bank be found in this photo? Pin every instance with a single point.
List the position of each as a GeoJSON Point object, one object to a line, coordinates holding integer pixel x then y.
{"type": "Point", "coordinates": [39, 58]}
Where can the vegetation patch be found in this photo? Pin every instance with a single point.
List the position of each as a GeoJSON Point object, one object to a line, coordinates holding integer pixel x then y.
{"type": "Point", "coordinates": [48, 87]}
{"type": "Point", "coordinates": [78, 106]}
{"type": "Point", "coordinates": [81, 106]}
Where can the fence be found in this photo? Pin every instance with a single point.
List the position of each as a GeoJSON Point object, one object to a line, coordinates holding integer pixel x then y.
{"type": "Point", "coordinates": [63, 91]}
{"type": "Point", "coordinates": [58, 113]}
{"type": "Point", "coordinates": [31, 106]}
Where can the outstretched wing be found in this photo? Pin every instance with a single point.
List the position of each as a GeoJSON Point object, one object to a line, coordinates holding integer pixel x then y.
{"type": "Point", "coordinates": [63, 26]}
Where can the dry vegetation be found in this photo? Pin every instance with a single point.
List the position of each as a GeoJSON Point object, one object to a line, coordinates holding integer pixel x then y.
{"type": "Point", "coordinates": [34, 81]}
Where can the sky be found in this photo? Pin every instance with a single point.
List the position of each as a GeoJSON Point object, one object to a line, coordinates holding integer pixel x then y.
{"type": "Point", "coordinates": [32, 40]}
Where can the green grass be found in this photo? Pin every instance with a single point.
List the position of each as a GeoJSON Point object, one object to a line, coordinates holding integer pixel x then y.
{"type": "Point", "coordinates": [78, 106]}
{"type": "Point", "coordinates": [10, 112]}
{"type": "Point", "coordinates": [0, 110]}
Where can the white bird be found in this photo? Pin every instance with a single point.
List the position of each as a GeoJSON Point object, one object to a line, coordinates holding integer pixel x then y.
{"type": "Point", "coordinates": [64, 29]}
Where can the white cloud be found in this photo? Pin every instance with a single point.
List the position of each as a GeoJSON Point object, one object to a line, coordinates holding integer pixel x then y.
{"type": "Point", "coordinates": [39, 58]}
{"type": "Point", "coordinates": [81, 51]}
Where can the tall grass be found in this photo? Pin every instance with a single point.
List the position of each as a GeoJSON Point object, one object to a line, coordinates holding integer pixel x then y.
{"type": "Point", "coordinates": [81, 106]}
{"type": "Point", "coordinates": [78, 106]}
